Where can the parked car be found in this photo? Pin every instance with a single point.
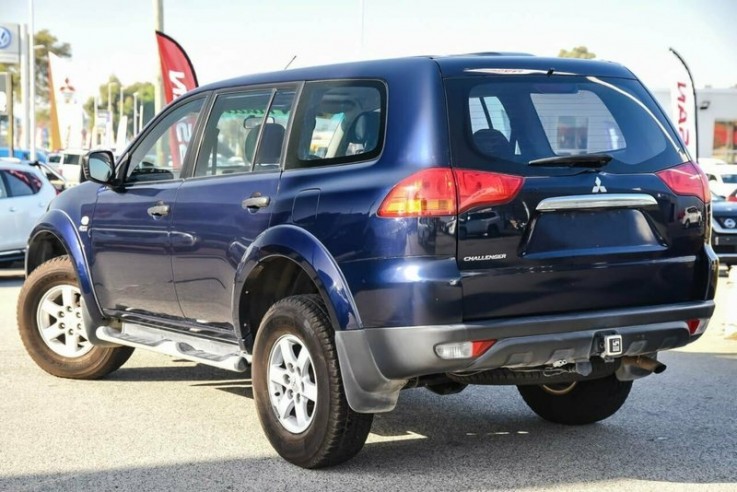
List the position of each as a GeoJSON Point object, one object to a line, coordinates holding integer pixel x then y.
{"type": "Point", "coordinates": [326, 260]}
{"type": "Point", "coordinates": [23, 154]}
{"type": "Point", "coordinates": [24, 195]}
{"type": "Point", "coordinates": [722, 176]}
{"type": "Point", "coordinates": [67, 164]}
{"type": "Point", "coordinates": [724, 229]}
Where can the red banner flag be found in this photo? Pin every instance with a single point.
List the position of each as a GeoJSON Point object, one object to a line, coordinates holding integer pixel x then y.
{"type": "Point", "coordinates": [177, 71]}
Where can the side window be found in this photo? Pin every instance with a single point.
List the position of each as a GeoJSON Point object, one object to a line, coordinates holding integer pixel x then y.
{"type": "Point", "coordinates": [21, 183]}
{"type": "Point", "coordinates": [339, 122]}
{"type": "Point", "coordinates": [239, 139]}
{"type": "Point", "coordinates": [160, 155]}
{"type": "Point", "coordinates": [3, 191]}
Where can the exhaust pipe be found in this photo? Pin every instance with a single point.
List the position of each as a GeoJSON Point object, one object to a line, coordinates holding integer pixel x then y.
{"type": "Point", "coordinates": [645, 363]}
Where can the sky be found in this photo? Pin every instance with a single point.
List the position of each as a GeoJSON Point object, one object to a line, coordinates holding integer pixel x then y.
{"type": "Point", "coordinates": [228, 38]}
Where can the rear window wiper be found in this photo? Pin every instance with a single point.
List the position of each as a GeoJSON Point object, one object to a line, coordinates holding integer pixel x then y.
{"type": "Point", "coordinates": [594, 161]}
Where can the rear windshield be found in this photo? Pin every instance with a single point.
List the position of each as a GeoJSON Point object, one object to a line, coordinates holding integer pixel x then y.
{"type": "Point", "coordinates": [502, 123]}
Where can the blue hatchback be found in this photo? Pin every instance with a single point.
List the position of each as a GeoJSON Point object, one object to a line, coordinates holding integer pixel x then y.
{"type": "Point", "coordinates": [348, 231]}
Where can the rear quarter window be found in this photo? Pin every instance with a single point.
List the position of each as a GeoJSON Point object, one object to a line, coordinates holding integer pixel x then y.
{"type": "Point", "coordinates": [21, 183]}
{"type": "Point", "coordinates": [338, 122]}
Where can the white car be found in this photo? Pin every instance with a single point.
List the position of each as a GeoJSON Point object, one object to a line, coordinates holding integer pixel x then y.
{"type": "Point", "coordinates": [67, 164]}
{"type": "Point", "coordinates": [722, 176]}
{"type": "Point", "coordinates": [25, 194]}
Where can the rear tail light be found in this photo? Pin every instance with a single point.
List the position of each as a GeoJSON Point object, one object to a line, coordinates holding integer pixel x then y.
{"type": "Point", "coordinates": [442, 192]}
{"type": "Point", "coordinates": [732, 198]}
{"type": "Point", "coordinates": [427, 193]}
{"type": "Point", "coordinates": [687, 179]}
{"type": "Point", "coordinates": [482, 188]}
{"type": "Point", "coordinates": [463, 350]}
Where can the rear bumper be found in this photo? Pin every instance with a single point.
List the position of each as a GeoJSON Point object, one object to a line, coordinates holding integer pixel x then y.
{"type": "Point", "coordinates": [377, 362]}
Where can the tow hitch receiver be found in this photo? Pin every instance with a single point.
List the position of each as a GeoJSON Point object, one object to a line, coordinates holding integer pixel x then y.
{"type": "Point", "coordinates": [612, 345]}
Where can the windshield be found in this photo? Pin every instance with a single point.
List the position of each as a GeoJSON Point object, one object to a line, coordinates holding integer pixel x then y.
{"type": "Point", "coordinates": [503, 123]}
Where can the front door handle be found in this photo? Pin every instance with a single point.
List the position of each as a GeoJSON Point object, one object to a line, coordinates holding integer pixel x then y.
{"type": "Point", "coordinates": [256, 201]}
{"type": "Point", "coordinates": [161, 209]}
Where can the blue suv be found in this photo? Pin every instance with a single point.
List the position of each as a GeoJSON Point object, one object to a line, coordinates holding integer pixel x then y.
{"type": "Point", "coordinates": [352, 230]}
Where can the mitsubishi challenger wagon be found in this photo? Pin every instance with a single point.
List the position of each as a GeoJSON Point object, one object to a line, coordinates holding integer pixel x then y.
{"type": "Point", "coordinates": [317, 227]}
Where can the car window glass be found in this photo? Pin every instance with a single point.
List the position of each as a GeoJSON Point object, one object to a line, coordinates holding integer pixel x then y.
{"type": "Point", "coordinates": [237, 129]}
{"type": "Point", "coordinates": [160, 155]}
{"type": "Point", "coordinates": [339, 122]}
{"type": "Point", "coordinates": [3, 191]}
{"type": "Point", "coordinates": [21, 183]}
{"type": "Point", "coordinates": [502, 123]}
{"type": "Point", "coordinates": [271, 142]}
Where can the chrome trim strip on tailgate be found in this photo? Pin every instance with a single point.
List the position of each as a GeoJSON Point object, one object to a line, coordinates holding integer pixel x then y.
{"type": "Point", "coordinates": [614, 200]}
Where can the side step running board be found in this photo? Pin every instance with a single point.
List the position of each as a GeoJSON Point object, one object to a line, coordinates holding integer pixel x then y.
{"type": "Point", "coordinates": [215, 353]}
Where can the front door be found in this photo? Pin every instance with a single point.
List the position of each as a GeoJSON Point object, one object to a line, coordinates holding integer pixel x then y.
{"type": "Point", "coordinates": [130, 228]}
{"type": "Point", "coordinates": [228, 202]}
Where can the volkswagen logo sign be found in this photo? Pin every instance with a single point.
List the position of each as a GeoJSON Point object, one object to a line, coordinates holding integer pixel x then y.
{"type": "Point", "coordinates": [730, 223]}
{"type": "Point", "coordinates": [6, 37]}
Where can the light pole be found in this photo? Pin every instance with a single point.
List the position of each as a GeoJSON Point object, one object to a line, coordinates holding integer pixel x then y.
{"type": "Point", "coordinates": [32, 88]}
{"type": "Point", "coordinates": [159, 26]}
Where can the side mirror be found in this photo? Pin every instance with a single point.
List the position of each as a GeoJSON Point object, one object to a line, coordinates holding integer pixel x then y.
{"type": "Point", "coordinates": [98, 166]}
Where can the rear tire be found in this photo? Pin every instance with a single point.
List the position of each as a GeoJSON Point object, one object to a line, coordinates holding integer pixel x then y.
{"type": "Point", "coordinates": [298, 388]}
{"type": "Point", "coordinates": [50, 325]}
{"type": "Point", "coordinates": [580, 403]}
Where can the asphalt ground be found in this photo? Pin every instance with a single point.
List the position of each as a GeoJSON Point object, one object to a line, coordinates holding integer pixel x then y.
{"type": "Point", "coordinates": [165, 424]}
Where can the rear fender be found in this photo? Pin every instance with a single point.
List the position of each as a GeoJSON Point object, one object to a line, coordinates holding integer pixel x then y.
{"type": "Point", "coordinates": [310, 254]}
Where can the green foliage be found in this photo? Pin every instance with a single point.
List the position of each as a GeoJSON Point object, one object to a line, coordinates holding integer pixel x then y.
{"type": "Point", "coordinates": [577, 52]}
{"type": "Point", "coordinates": [145, 91]}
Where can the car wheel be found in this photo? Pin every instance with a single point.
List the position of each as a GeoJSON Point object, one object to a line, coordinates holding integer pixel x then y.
{"type": "Point", "coordinates": [50, 324]}
{"type": "Point", "coordinates": [298, 388]}
{"type": "Point", "coordinates": [577, 403]}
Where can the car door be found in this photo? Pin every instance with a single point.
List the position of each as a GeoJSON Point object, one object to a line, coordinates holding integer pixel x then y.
{"type": "Point", "coordinates": [227, 202]}
{"type": "Point", "coordinates": [130, 228]}
{"type": "Point", "coordinates": [20, 206]}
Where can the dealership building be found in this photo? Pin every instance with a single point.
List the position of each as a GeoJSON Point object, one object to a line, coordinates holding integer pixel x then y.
{"type": "Point", "coordinates": [717, 121]}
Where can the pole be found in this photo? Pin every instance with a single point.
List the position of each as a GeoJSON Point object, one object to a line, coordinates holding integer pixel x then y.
{"type": "Point", "coordinates": [695, 104]}
{"type": "Point", "coordinates": [120, 104]}
{"type": "Point", "coordinates": [95, 135]}
{"type": "Point", "coordinates": [32, 82]}
{"type": "Point", "coordinates": [158, 26]}
{"type": "Point", "coordinates": [135, 114]}
{"type": "Point", "coordinates": [363, 22]}
{"type": "Point", "coordinates": [11, 117]}
{"type": "Point", "coordinates": [24, 143]}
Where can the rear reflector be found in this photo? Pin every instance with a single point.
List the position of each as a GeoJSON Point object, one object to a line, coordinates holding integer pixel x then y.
{"type": "Point", "coordinates": [687, 179]}
{"type": "Point", "coordinates": [697, 326]}
{"type": "Point", "coordinates": [439, 191]}
{"type": "Point", "coordinates": [463, 350]}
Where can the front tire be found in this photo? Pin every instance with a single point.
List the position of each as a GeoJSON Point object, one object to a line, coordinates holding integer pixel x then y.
{"type": "Point", "coordinates": [298, 388]}
{"type": "Point", "coordinates": [579, 403]}
{"type": "Point", "coordinates": [50, 321]}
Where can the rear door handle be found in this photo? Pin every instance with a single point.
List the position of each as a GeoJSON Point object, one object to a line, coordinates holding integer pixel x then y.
{"type": "Point", "coordinates": [256, 201]}
{"type": "Point", "coordinates": [161, 209]}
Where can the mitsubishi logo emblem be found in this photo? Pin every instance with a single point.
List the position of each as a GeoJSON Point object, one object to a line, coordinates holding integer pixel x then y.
{"type": "Point", "coordinates": [598, 187]}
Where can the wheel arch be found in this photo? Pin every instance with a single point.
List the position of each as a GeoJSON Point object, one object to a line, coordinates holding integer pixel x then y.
{"type": "Point", "coordinates": [290, 261]}
{"type": "Point", "coordinates": [55, 235]}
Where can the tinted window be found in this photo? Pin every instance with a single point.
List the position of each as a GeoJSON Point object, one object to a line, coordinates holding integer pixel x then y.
{"type": "Point", "coordinates": [339, 122]}
{"type": "Point", "coordinates": [502, 122]}
{"type": "Point", "coordinates": [21, 183]}
{"type": "Point", "coordinates": [3, 191]}
{"type": "Point", "coordinates": [72, 159]}
{"type": "Point", "coordinates": [729, 178]}
{"type": "Point", "coordinates": [160, 155]}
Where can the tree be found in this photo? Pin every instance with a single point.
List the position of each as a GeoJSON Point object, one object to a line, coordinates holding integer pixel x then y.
{"type": "Point", "coordinates": [577, 52]}
{"type": "Point", "coordinates": [144, 90]}
{"type": "Point", "coordinates": [45, 42]}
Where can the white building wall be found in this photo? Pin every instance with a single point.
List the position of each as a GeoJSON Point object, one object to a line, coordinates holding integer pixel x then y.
{"type": "Point", "coordinates": [714, 104]}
